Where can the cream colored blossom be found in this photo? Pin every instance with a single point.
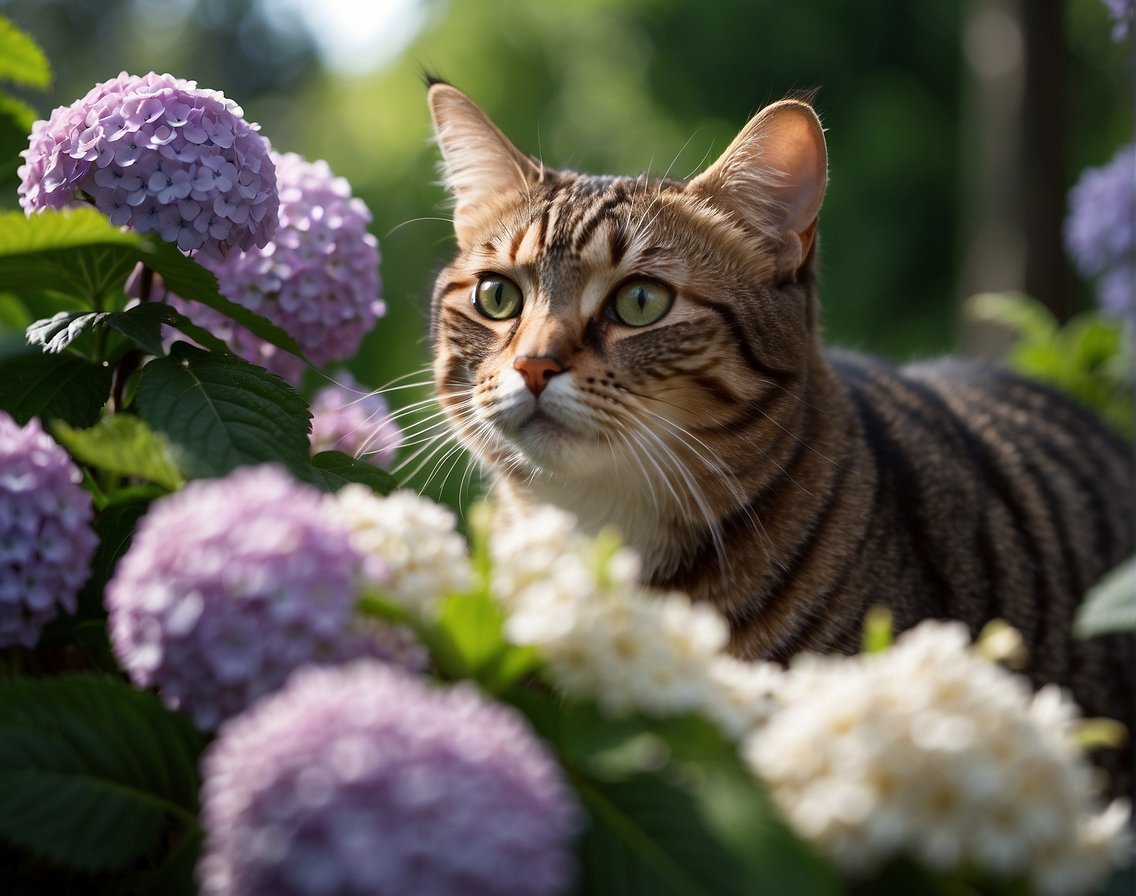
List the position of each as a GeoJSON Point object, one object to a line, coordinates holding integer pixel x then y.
{"type": "Point", "coordinates": [604, 636]}
{"type": "Point", "coordinates": [930, 751]}
{"type": "Point", "coordinates": [411, 545]}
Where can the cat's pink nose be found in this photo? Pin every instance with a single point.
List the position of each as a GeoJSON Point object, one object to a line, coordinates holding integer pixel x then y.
{"type": "Point", "coordinates": [537, 372]}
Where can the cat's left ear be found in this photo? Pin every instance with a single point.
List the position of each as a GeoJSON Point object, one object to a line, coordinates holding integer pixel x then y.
{"type": "Point", "coordinates": [479, 163]}
{"type": "Point", "coordinates": [773, 176]}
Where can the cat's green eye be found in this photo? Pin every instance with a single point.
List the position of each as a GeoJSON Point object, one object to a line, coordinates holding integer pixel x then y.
{"type": "Point", "coordinates": [498, 298]}
{"type": "Point", "coordinates": [641, 302]}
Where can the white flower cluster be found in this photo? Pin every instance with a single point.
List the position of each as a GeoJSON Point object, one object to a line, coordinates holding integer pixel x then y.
{"type": "Point", "coordinates": [929, 751]}
{"type": "Point", "coordinates": [604, 636]}
{"type": "Point", "coordinates": [410, 545]}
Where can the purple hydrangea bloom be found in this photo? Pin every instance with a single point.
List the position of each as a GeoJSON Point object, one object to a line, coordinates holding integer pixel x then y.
{"type": "Point", "coordinates": [159, 155]}
{"type": "Point", "coordinates": [348, 418]}
{"type": "Point", "coordinates": [1123, 14]}
{"type": "Point", "coordinates": [46, 542]}
{"type": "Point", "coordinates": [1101, 228]}
{"type": "Point", "coordinates": [318, 280]}
{"type": "Point", "coordinates": [362, 780]}
{"type": "Point", "coordinates": [229, 586]}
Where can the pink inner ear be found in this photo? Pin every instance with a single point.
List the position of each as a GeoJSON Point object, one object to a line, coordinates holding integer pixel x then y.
{"type": "Point", "coordinates": [792, 143]}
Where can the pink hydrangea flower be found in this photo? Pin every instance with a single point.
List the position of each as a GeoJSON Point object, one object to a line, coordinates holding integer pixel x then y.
{"type": "Point", "coordinates": [360, 779]}
{"type": "Point", "coordinates": [159, 155]}
{"type": "Point", "coordinates": [348, 418]}
{"type": "Point", "coordinates": [318, 279]}
{"type": "Point", "coordinates": [230, 585]}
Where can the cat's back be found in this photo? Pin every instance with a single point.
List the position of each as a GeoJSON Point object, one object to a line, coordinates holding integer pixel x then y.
{"type": "Point", "coordinates": [1008, 499]}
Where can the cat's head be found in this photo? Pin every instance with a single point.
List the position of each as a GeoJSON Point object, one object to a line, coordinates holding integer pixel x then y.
{"type": "Point", "coordinates": [609, 332]}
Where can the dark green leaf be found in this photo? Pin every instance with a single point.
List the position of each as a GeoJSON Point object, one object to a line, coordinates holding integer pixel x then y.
{"type": "Point", "coordinates": [55, 333]}
{"type": "Point", "coordinates": [125, 446]}
{"type": "Point", "coordinates": [114, 525]}
{"type": "Point", "coordinates": [646, 836]}
{"type": "Point", "coordinates": [220, 412]}
{"type": "Point", "coordinates": [331, 470]}
{"type": "Point", "coordinates": [16, 120]}
{"type": "Point", "coordinates": [142, 325]}
{"type": "Point", "coordinates": [180, 322]}
{"type": "Point", "coordinates": [190, 280]}
{"type": "Point", "coordinates": [1111, 605]}
{"type": "Point", "coordinates": [53, 387]}
{"type": "Point", "coordinates": [21, 60]}
{"type": "Point", "coordinates": [92, 770]}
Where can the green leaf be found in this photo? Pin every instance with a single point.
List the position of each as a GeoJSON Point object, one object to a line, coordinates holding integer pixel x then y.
{"type": "Point", "coordinates": [76, 251]}
{"type": "Point", "coordinates": [81, 252]}
{"type": "Point", "coordinates": [125, 446]}
{"type": "Point", "coordinates": [53, 387]}
{"type": "Point", "coordinates": [142, 325]}
{"type": "Point", "coordinates": [114, 525]}
{"type": "Point", "coordinates": [92, 770]}
{"type": "Point", "coordinates": [190, 280]}
{"type": "Point", "coordinates": [180, 322]}
{"type": "Point", "coordinates": [1023, 314]}
{"type": "Point", "coordinates": [1111, 605]}
{"type": "Point", "coordinates": [55, 333]}
{"type": "Point", "coordinates": [220, 412]}
{"type": "Point", "coordinates": [21, 60]}
{"type": "Point", "coordinates": [331, 470]}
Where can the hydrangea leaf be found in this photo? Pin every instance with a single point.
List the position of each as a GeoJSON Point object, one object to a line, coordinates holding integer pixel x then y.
{"type": "Point", "coordinates": [92, 770]}
{"type": "Point", "coordinates": [672, 807]}
{"type": "Point", "coordinates": [473, 626]}
{"type": "Point", "coordinates": [125, 446]}
{"type": "Point", "coordinates": [220, 412]}
{"type": "Point", "coordinates": [53, 387]}
{"type": "Point", "coordinates": [190, 280]}
{"type": "Point", "coordinates": [77, 251]}
{"type": "Point", "coordinates": [331, 470]}
{"type": "Point", "coordinates": [21, 60]}
{"type": "Point", "coordinates": [55, 333]}
{"type": "Point", "coordinates": [143, 324]}
{"type": "Point", "coordinates": [1111, 605]}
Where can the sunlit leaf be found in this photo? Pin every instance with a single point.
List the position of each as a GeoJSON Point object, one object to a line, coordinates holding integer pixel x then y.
{"type": "Point", "coordinates": [55, 333]}
{"type": "Point", "coordinates": [1111, 605]}
{"type": "Point", "coordinates": [21, 60]}
{"type": "Point", "coordinates": [125, 446]}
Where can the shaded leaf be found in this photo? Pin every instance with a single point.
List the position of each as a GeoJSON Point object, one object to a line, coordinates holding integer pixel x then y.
{"type": "Point", "coordinates": [92, 770]}
{"type": "Point", "coordinates": [21, 60]}
{"type": "Point", "coordinates": [331, 470]}
{"type": "Point", "coordinates": [55, 333]}
{"type": "Point", "coordinates": [1111, 605]}
{"type": "Point", "coordinates": [190, 280]}
{"type": "Point", "coordinates": [220, 412]}
{"type": "Point", "coordinates": [125, 446]}
{"type": "Point", "coordinates": [53, 387]}
{"type": "Point", "coordinates": [114, 525]}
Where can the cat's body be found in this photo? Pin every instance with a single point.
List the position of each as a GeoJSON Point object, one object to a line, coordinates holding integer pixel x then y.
{"type": "Point", "coordinates": [646, 354]}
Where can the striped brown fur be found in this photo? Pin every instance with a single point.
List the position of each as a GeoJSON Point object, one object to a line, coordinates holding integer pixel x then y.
{"type": "Point", "coordinates": [792, 487]}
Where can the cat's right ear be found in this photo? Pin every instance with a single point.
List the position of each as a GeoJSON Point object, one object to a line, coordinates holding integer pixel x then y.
{"type": "Point", "coordinates": [479, 163]}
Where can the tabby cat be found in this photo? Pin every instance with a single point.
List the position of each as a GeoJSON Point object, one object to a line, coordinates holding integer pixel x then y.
{"type": "Point", "coordinates": [646, 353]}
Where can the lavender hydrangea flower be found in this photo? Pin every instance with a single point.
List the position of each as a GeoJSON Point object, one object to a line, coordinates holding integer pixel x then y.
{"type": "Point", "coordinates": [348, 418]}
{"type": "Point", "coordinates": [361, 780]}
{"type": "Point", "coordinates": [1101, 228]}
{"type": "Point", "coordinates": [318, 279]}
{"type": "Point", "coordinates": [157, 154]}
{"type": "Point", "coordinates": [1123, 14]}
{"type": "Point", "coordinates": [46, 543]}
{"type": "Point", "coordinates": [229, 586]}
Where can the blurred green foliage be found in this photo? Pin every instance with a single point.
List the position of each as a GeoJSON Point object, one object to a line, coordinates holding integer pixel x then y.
{"type": "Point", "coordinates": [620, 86]}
